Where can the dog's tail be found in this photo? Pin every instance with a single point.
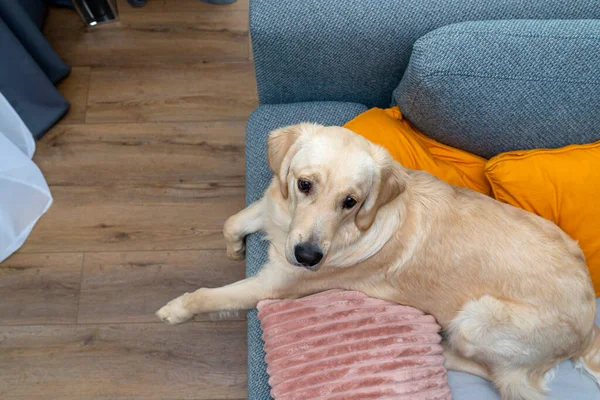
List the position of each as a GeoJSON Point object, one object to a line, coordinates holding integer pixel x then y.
{"type": "Point", "coordinates": [589, 361]}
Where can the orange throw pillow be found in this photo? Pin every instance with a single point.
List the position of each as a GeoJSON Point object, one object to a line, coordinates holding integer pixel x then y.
{"type": "Point", "coordinates": [414, 150]}
{"type": "Point", "coordinates": [562, 185]}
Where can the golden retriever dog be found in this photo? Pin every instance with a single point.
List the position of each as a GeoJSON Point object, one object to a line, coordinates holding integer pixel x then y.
{"type": "Point", "coordinates": [510, 289]}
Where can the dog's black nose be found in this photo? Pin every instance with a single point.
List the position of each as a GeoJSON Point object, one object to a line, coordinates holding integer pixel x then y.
{"type": "Point", "coordinates": [308, 254]}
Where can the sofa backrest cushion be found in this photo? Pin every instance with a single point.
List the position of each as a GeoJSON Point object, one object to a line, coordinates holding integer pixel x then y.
{"type": "Point", "coordinates": [496, 86]}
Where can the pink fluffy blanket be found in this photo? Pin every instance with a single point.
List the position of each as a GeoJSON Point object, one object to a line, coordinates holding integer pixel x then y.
{"type": "Point", "coordinates": [345, 345]}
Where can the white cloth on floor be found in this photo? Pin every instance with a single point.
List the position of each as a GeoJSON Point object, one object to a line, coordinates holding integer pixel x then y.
{"type": "Point", "coordinates": [24, 194]}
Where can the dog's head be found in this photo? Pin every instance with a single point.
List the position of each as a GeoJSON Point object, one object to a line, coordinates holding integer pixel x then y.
{"type": "Point", "coordinates": [335, 182]}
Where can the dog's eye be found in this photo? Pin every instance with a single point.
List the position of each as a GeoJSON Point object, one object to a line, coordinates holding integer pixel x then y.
{"type": "Point", "coordinates": [304, 186]}
{"type": "Point", "coordinates": [349, 203]}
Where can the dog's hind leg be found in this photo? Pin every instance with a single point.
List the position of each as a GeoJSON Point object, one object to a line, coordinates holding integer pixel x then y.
{"type": "Point", "coordinates": [455, 362]}
{"type": "Point", "coordinates": [504, 336]}
{"type": "Point", "coordinates": [238, 226]}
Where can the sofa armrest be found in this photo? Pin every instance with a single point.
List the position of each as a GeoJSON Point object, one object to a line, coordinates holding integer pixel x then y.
{"type": "Point", "coordinates": [357, 50]}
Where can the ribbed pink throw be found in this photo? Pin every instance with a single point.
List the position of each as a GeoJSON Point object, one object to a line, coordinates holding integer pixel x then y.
{"type": "Point", "coordinates": [345, 345]}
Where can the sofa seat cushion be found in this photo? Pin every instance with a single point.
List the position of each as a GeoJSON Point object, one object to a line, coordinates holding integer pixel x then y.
{"type": "Point", "coordinates": [496, 86]}
{"type": "Point", "coordinates": [569, 383]}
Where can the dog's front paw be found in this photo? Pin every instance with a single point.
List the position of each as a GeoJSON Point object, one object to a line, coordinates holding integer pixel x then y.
{"type": "Point", "coordinates": [175, 311]}
{"type": "Point", "coordinates": [236, 248]}
{"type": "Point", "coordinates": [236, 251]}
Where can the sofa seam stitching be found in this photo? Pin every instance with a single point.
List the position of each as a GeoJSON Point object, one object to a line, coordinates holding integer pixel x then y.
{"type": "Point", "coordinates": [430, 36]}
{"type": "Point", "coordinates": [504, 77]}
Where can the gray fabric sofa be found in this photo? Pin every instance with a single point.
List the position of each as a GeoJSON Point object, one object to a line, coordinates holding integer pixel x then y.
{"type": "Point", "coordinates": [521, 75]}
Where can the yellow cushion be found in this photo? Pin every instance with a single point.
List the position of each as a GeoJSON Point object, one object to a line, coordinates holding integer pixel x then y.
{"type": "Point", "coordinates": [412, 149]}
{"type": "Point", "coordinates": [561, 185]}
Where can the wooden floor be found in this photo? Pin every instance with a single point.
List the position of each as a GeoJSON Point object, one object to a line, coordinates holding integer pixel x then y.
{"type": "Point", "coordinates": [144, 170]}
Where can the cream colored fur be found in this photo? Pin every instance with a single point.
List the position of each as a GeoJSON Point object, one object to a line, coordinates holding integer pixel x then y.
{"type": "Point", "coordinates": [510, 289]}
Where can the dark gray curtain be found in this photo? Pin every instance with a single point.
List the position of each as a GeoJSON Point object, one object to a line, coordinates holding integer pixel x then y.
{"type": "Point", "coordinates": [29, 68]}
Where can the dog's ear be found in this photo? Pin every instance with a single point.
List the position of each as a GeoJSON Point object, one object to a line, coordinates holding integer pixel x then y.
{"type": "Point", "coordinates": [389, 182]}
{"type": "Point", "coordinates": [282, 145]}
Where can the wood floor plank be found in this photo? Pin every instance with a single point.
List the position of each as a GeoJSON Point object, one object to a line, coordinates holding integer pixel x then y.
{"type": "Point", "coordinates": [40, 289]}
{"type": "Point", "coordinates": [128, 218]}
{"type": "Point", "coordinates": [151, 39]}
{"type": "Point", "coordinates": [131, 287]}
{"type": "Point", "coordinates": [126, 187]}
{"type": "Point", "coordinates": [208, 92]}
{"type": "Point", "coordinates": [128, 361]}
{"type": "Point", "coordinates": [169, 6]}
{"type": "Point", "coordinates": [75, 89]}
{"type": "Point", "coordinates": [168, 154]}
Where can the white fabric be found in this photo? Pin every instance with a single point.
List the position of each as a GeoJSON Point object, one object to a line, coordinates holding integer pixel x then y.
{"type": "Point", "coordinates": [14, 129]}
{"type": "Point", "coordinates": [24, 194]}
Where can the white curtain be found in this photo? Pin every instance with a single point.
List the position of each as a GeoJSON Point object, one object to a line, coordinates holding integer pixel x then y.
{"type": "Point", "coordinates": [24, 194]}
